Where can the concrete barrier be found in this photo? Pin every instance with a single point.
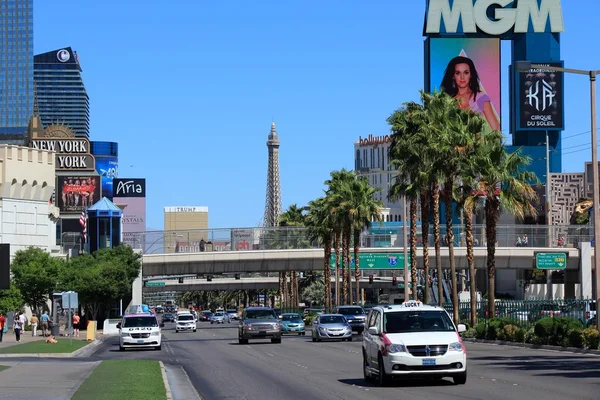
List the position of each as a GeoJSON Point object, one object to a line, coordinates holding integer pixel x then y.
{"type": "Point", "coordinates": [110, 326]}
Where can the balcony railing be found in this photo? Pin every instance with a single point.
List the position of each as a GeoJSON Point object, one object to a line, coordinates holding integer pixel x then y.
{"type": "Point", "coordinates": [279, 238]}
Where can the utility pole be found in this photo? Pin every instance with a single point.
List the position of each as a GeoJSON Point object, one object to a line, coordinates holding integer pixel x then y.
{"type": "Point", "coordinates": [405, 240]}
{"type": "Point", "coordinates": [548, 216]}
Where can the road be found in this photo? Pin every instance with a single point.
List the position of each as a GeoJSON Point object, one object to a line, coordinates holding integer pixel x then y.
{"type": "Point", "coordinates": [220, 368]}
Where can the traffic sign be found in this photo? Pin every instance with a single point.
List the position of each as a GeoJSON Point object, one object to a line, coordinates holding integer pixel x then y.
{"type": "Point", "coordinates": [551, 260]}
{"type": "Point", "coordinates": [376, 261]}
{"type": "Point", "coordinates": [154, 284]}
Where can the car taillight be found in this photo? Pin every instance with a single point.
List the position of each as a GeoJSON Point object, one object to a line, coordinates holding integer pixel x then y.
{"type": "Point", "coordinates": [385, 350]}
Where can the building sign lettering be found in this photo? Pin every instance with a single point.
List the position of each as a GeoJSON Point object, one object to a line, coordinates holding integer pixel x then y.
{"type": "Point", "coordinates": [541, 99]}
{"type": "Point", "coordinates": [506, 15]}
{"type": "Point", "coordinates": [71, 153]}
{"type": "Point", "coordinates": [129, 187]}
{"type": "Point", "coordinates": [374, 141]}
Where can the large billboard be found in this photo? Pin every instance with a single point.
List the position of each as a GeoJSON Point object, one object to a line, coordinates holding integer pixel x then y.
{"type": "Point", "coordinates": [242, 239]}
{"type": "Point", "coordinates": [108, 169]}
{"type": "Point", "coordinates": [76, 193]}
{"type": "Point", "coordinates": [469, 70]}
{"type": "Point", "coordinates": [540, 99]}
{"type": "Point", "coordinates": [130, 195]}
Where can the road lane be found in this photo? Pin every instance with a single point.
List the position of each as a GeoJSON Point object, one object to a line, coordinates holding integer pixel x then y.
{"type": "Point", "coordinates": [221, 368]}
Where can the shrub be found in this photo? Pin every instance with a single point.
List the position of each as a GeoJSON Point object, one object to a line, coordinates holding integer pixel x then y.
{"type": "Point", "coordinates": [520, 335]}
{"type": "Point", "coordinates": [480, 330]}
{"type": "Point", "coordinates": [469, 333]}
{"type": "Point", "coordinates": [495, 329]}
{"type": "Point", "coordinates": [591, 338]}
{"type": "Point", "coordinates": [575, 338]}
{"type": "Point", "coordinates": [544, 328]}
{"type": "Point", "coordinates": [556, 331]}
{"type": "Point", "coordinates": [509, 332]}
{"type": "Point", "coordinates": [308, 320]}
{"type": "Point", "coordinates": [531, 337]}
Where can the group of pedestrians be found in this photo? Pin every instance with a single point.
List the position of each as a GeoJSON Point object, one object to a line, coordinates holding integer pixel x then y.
{"type": "Point", "coordinates": [20, 321]}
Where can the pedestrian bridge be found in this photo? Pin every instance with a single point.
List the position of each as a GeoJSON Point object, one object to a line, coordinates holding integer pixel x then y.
{"type": "Point", "coordinates": [262, 261]}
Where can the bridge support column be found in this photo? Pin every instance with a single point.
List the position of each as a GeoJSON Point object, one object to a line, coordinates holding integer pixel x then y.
{"type": "Point", "coordinates": [585, 270]}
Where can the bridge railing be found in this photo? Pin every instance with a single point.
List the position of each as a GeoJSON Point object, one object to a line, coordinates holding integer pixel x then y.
{"type": "Point", "coordinates": [280, 238]}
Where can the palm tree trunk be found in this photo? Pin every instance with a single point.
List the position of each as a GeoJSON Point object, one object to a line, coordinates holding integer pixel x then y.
{"type": "Point", "coordinates": [285, 291]}
{"type": "Point", "coordinates": [327, 271]}
{"type": "Point", "coordinates": [425, 240]}
{"type": "Point", "coordinates": [356, 264]}
{"type": "Point", "coordinates": [450, 234]}
{"type": "Point", "coordinates": [492, 214]}
{"type": "Point", "coordinates": [435, 196]}
{"type": "Point", "coordinates": [413, 247]}
{"type": "Point", "coordinates": [337, 242]}
{"type": "Point", "coordinates": [347, 239]}
{"type": "Point", "coordinates": [471, 262]}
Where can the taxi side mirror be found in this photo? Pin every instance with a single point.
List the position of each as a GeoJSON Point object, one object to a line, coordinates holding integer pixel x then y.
{"type": "Point", "coordinates": [461, 328]}
{"type": "Point", "coordinates": [119, 325]}
{"type": "Point", "coordinates": [374, 330]}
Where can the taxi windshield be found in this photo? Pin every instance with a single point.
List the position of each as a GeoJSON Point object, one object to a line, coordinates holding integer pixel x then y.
{"type": "Point", "coordinates": [140, 322]}
{"type": "Point", "coordinates": [417, 321]}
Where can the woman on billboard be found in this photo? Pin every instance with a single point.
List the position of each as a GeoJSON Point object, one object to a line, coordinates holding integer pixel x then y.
{"type": "Point", "coordinates": [461, 81]}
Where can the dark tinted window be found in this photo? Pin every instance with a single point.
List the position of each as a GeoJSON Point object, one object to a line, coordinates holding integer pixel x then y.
{"type": "Point", "coordinates": [351, 311]}
{"type": "Point", "coordinates": [140, 322]}
{"type": "Point", "coordinates": [260, 314]}
{"type": "Point", "coordinates": [292, 318]}
{"type": "Point", "coordinates": [186, 318]}
{"type": "Point", "coordinates": [416, 321]}
{"type": "Point", "coordinates": [332, 319]}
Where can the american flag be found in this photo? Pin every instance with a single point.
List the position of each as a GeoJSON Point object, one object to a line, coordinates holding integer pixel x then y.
{"type": "Point", "coordinates": [83, 223]}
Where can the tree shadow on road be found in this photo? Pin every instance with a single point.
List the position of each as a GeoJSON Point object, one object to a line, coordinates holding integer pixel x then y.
{"type": "Point", "coordinates": [547, 365]}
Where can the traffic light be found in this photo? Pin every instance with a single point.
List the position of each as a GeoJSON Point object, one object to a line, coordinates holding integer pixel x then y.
{"type": "Point", "coordinates": [180, 280]}
{"type": "Point", "coordinates": [237, 276]}
{"type": "Point", "coordinates": [394, 281]}
{"type": "Point", "coordinates": [209, 278]}
{"type": "Point", "coordinates": [370, 279]}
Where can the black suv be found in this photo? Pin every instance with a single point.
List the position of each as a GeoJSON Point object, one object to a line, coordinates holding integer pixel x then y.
{"type": "Point", "coordinates": [355, 315]}
{"type": "Point", "coordinates": [259, 323]}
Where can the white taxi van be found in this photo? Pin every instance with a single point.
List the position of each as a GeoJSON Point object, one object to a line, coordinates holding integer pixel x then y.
{"type": "Point", "coordinates": [140, 330]}
{"type": "Point", "coordinates": [413, 340]}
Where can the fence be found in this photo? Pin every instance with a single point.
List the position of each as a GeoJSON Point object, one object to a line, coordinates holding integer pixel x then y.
{"type": "Point", "coordinates": [245, 239]}
{"type": "Point", "coordinates": [527, 312]}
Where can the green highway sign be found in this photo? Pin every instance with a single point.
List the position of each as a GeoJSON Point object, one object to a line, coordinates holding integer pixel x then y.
{"type": "Point", "coordinates": [551, 260]}
{"type": "Point", "coordinates": [376, 261]}
{"type": "Point", "coordinates": [154, 284]}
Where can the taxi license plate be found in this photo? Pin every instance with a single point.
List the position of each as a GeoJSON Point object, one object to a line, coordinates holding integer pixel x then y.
{"type": "Point", "coordinates": [140, 342]}
{"type": "Point", "coordinates": [429, 361]}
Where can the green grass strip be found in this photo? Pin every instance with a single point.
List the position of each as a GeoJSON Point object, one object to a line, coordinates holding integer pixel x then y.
{"type": "Point", "coordinates": [40, 346]}
{"type": "Point", "coordinates": [123, 379]}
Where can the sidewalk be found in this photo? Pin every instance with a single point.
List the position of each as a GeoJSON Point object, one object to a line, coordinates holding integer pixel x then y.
{"type": "Point", "coordinates": [58, 381]}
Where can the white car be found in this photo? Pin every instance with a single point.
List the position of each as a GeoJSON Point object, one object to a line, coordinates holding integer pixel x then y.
{"type": "Point", "coordinates": [185, 322]}
{"type": "Point", "coordinates": [139, 331]}
{"type": "Point", "coordinates": [413, 340]}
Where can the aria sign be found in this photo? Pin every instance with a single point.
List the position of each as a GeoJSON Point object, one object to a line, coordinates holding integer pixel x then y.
{"type": "Point", "coordinates": [493, 17]}
{"type": "Point", "coordinates": [71, 153]}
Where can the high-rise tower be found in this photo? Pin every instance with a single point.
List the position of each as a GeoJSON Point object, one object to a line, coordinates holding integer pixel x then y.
{"type": "Point", "coordinates": [16, 69]}
{"type": "Point", "coordinates": [273, 198]}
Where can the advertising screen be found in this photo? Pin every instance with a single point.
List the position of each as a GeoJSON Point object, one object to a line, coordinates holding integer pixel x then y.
{"type": "Point", "coordinates": [130, 195]}
{"type": "Point", "coordinates": [108, 169]}
{"type": "Point", "coordinates": [77, 193]}
{"type": "Point", "coordinates": [468, 69]}
{"type": "Point", "coordinates": [540, 94]}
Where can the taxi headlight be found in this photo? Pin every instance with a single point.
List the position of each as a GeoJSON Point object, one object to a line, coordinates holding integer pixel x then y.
{"type": "Point", "coordinates": [456, 346]}
{"type": "Point", "coordinates": [396, 348]}
{"type": "Point", "coordinates": [124, 334]}
{"type": "Point", "coordinates": [156, 333]}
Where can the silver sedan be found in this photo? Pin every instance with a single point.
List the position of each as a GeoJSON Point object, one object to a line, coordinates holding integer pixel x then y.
{"type": "Point", "coordinates": [219, 318]}
{"type": "Point", "coordinates": [331, 326]}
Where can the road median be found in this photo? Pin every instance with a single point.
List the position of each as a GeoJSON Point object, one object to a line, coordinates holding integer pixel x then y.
{"type": "Point", "coordinates": [533, 346]}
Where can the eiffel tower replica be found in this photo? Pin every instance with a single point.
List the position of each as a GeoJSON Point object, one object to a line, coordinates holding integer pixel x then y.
{"type": "Point", "coordinates": [273, 197]}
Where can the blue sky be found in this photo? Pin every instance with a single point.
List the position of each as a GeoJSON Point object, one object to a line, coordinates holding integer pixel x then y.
{"type": "Point", "coordinates": [189, 92]}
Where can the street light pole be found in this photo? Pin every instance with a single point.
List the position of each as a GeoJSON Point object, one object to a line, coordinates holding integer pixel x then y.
{"type": "Point", "coordinates": [524, 66]}
{"type": "Point", "coordinates": [405, 240]}
{"type": "Point", "coordinates": [549, 294]}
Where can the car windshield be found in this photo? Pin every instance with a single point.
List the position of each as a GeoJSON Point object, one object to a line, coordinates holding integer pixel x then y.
{"type": "Point", "coordinates": [140, 322]}
{"type": "Point", "coordinates": [292, 318]}
{"type": "Point", "coordinates": [218, 314]}
{"type": "Point", "coordinates": [260, 314]}
{"type": "Point", "coordinates": [232, 311]}
{"type": "Point", "coordinates": [417, 321]}
{"type": "Point", "coordinates": [186, 318]}
{"type": "Point", "coordinates": [168, 316]}
{"type": "Point", "coordinates": [351, 311]}
{"type": "Point", "coordinates": [332, 319]}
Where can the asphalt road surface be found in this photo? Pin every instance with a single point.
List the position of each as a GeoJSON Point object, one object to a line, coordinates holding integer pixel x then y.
{"type": "Point", "coordinates": [220, 368]}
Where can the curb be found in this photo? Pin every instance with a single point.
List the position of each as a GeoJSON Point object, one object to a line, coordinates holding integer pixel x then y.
{"type": "Point", "coordinates": [163, 372]}
{"type": "Point", "coordinates": [76, 353]}
{"type": "Point", "coordinates": [534, 346]}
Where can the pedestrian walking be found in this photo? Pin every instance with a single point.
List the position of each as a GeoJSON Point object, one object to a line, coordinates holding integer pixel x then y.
{"type": "Point", "coordinates": [2, 325]}
{"type": "Point", "coordinates": [34, 324]}
{"type": "Point", "coordinates": [18, 326]}
{"type": "Point", "coordinates": [45, 321]}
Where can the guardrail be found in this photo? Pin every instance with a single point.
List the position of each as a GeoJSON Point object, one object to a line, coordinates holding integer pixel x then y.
{"type": "Point", "coordinates": [381, 235]}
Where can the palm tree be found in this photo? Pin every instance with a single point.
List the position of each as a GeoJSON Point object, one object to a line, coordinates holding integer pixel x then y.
{"type": "Point", "coordinates": [506, 185]}
{"type": "Point", "coordinates": [319, 223]}
{"type": "Point", "coordinates": [363, 210]}
{"type": "Point", "coordinates": [292, 217]}
{"type": "Point", "coordinates": [406, 152]}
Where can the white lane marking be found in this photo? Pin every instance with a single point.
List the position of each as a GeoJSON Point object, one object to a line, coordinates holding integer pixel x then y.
{"type": "Point", "coordinates": [269, 354]}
